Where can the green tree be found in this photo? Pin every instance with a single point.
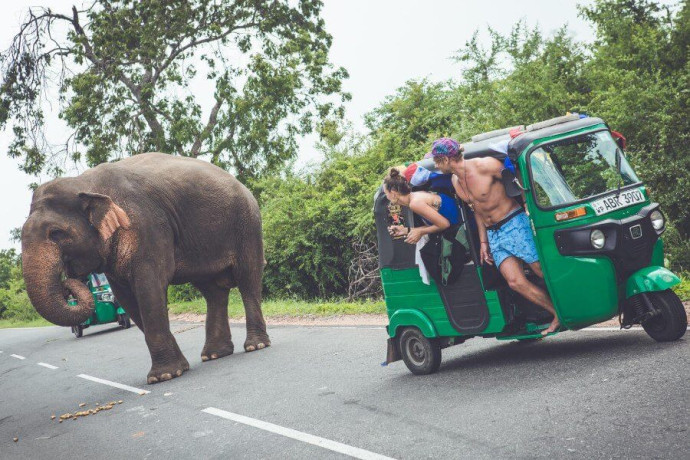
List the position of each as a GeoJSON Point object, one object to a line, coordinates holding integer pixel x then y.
{"type": "Point", "coordinates": [14, 301]}
{"type": "Point", "coordinates": [635, 76]}
{"type": "Point", "coordinates": [640, 80]}
{"type": "Point", "coordinates": [126, 72]}
{"type": "Point", "coordinates": [8, 260]}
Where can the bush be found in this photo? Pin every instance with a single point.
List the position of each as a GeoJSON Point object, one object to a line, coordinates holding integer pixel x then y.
{"type": "Point", "coordinates": [14, 301]}
{"type": "Point", "coordinates": [683, 289]}
{"type": "Point", "coordinates": [182, 293]}
{"type": "Point", "coordinates": [306, 241]}
{"type": "Point", "coordinates": [676, 249]}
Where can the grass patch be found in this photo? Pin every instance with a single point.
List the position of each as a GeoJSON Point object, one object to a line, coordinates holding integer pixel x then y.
{"type": "Point", "coordinates": [285, 307]}
{"type": "Point", "coordinates": [40, 322]}
{"type": "Point", "coordinates": [270, 308]}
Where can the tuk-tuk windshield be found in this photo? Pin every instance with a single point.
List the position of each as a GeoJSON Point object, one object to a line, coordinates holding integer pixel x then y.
{"type": "Point", "coordinates": [576, 168]}
{"type": "Point", "coordinates": [98, 279]}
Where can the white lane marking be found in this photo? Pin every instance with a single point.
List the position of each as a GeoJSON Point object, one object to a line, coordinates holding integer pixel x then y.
{"type": "Point", "coordinates": [114, 384]}
{"type": "Point", "coordinates": [298, 435]}
{"type": "Point", "coordinates": [18, 356]}
{"type": "Point", "coordinates": [49, 366]}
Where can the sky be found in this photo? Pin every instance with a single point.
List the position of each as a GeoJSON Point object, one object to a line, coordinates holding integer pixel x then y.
{"type": "Point", "coordinates": [382, 44]}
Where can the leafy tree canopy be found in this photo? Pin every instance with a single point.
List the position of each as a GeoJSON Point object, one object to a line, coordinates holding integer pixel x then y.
{"type": "Point", "coordinates": [127, 73]}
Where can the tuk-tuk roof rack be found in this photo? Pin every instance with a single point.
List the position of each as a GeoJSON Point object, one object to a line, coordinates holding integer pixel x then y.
{"type": "Point", "coordinates": [498, 143]}
{"type": "Point", "coordinates": [496, 133]}
{"type": "Point", "coordinates": [545, 129]}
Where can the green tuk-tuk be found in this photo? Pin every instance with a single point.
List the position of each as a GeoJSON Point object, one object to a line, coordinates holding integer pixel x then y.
{"type": "Point", "coordinates": [597, 235]}
{"type": "Point", "coordinates": [106, 310]}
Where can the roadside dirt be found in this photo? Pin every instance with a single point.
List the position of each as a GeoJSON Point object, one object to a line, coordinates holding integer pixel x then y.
{"type": "Point", "coordinates": [338, 320]}
{"type": "Point", "coordinates": [308, 320]}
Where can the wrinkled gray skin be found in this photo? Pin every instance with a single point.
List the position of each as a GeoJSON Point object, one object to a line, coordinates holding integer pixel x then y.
{"type": "Point", "coordinates": [146, 222]}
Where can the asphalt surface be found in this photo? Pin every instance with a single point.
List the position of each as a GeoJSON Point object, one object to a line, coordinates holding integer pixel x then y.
{"type": "Point", "coordinates": [587, 394]}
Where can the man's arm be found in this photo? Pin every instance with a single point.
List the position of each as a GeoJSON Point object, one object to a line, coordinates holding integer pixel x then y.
{"type": "Point", "coordinates": [484, 249]}
{"type": "Point", "coordinates": [438, 222]}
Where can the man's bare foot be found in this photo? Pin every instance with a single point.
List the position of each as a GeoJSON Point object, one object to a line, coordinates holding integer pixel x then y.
{"type": "Point", "coordinates": [555, 324]}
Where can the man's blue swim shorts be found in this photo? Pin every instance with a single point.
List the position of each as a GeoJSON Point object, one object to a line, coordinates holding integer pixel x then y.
{"type": "Point", "coordinates": [513, 238]}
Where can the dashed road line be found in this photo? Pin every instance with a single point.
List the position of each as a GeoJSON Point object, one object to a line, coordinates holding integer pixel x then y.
{"type": "Point", "coordinates": [18, 356]}
{"type": "Point", "coordinates": [49, 366]}
{"type": "Point", "coordinates": [351, 451]}
{"type": "Point", "coordinates": [114, 384]}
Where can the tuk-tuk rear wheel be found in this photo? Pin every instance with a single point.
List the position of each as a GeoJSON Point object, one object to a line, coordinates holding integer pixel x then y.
{"type": "Point", "coordinates": [671, 322]}
{"type": "Point", "coordinates": [422, 355]}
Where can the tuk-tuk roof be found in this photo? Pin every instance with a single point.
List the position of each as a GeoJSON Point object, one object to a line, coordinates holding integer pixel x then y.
{"type": "Point", "coordinates": [520, 143]}
{"type": "Point", "coordinates": [496, 146]}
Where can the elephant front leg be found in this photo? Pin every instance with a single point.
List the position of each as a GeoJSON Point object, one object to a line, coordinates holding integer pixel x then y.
{"type": "Point", "coordinates": [167, 360]}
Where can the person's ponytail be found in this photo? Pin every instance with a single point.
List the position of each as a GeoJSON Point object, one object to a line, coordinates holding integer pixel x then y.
{"type": "Point", "coordinates": [396, 182]}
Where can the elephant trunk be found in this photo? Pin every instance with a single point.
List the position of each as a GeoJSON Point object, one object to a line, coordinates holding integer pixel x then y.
{"type": "Point", "coordinates": [43, 269]}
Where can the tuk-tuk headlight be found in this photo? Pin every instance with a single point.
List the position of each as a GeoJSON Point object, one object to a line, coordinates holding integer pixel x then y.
{"type": "Point", "coordinates": [657, 219]}
{"type": "Point", "coordinates": [597, 238]}
{"type": "Point", "coordinates": [107, 297]}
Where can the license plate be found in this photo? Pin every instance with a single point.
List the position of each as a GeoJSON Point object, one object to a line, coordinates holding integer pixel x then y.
{"type": "Point", "coordinates": [611, 203]}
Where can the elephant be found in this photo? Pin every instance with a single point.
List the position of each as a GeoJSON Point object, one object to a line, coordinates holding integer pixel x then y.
{"type": "Point", "coordinates": [148, 221]}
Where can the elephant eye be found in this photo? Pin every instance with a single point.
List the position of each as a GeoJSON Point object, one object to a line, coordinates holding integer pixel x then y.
{"type": "Point", "coordinates": [57, 235]}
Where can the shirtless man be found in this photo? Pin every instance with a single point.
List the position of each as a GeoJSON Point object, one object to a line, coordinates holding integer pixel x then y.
{"type": "Point", "coordinates": [505, 233]}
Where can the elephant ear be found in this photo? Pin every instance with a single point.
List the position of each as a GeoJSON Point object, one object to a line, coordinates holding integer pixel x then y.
{"type": "Point", "coordinates": [104, 214]}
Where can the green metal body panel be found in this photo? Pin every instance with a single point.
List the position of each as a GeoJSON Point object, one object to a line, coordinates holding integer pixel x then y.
{"type": "Point", "coordinates": [406, 294]}
{"type": "Point", "coordinates": [585, 290]}
{"type": "Point", "coordinates": [104, 311]}
{"type": "Point", "coordinates": [497, 321]}
{"type": "Point", "coordinates": [650, 279]}
{"type": "Point", "coordinates": [406, 317]}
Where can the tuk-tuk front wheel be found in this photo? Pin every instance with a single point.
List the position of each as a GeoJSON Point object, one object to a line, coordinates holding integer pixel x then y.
{"type": "Point", "coordinates": [78, 330]}
{"type": "Point", "coordinates": [422, 355]}
{"type": "Point", "coordinates": [671, 322]}
{"type": "Point", "coordinates": [124, 321]}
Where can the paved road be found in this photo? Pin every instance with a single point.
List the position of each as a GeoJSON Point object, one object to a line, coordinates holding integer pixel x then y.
{"type": "Point", "coordinates": [320, 391]}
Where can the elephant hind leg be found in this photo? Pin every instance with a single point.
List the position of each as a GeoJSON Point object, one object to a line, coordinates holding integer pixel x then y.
{"type": "Point", "coordinates": [249, 282]}
{"type": "Point", "coordinates": [218, 337]}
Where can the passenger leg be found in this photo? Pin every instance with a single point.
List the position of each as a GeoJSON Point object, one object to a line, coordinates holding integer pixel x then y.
{"type": "Point", "coordinates": [511, 269]}
{"type": "Point", "coordinates": [536, 268]}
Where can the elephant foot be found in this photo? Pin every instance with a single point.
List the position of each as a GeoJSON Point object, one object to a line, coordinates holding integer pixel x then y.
{"type": "Point", "coordinates": [213, 351]}
{"type": "Point", "coordinates": [163, 372]}
{"type": "Point", "coordinates": [256, 342]}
